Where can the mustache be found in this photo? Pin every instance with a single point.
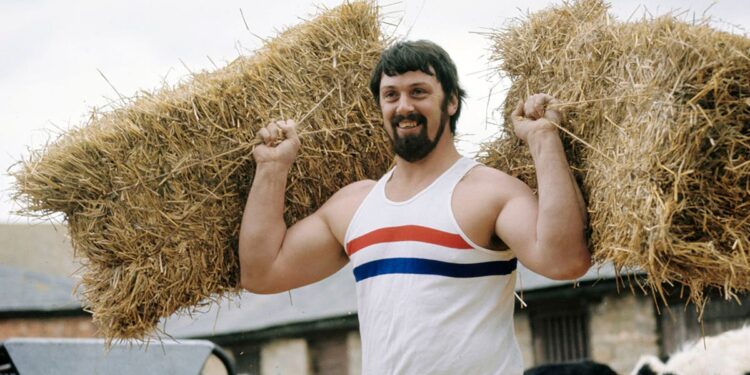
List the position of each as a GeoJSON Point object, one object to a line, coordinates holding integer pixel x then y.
{"type": "Point", "coordinates": [416, 117]}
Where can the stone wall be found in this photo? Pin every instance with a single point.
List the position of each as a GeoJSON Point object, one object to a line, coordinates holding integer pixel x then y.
{"type": "Point", "coordinates": [285, 356]}
{"type": "Point", "coordinates": [623, 327]}
{"type": "Point", "coordinates": [354, 352]}
{"type": "Point", "coordinates": [524, 338]}
{"type": "Point", "coordinates": [340, 353]}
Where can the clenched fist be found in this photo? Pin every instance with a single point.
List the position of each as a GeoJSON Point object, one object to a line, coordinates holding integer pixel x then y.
{"type": "Point", "coordinates": [536, 115]}
{"type": "Point", "coordinates": [280, 143]}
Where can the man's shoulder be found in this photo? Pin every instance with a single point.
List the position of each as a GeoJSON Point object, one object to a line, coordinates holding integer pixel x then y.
{"type": "Point", "coordinates": [483, 176]}
{"type": "Point", "coordinates": [339, 210]}
{"type": "Point", "coordinates": [356, 189]}
{"type": "Point", "coordinates": [492, 185]}
{"type": "Point", "coordinates": [350, 196]}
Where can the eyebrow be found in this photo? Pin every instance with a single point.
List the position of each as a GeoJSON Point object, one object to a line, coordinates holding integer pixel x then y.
{"type": "Point", "coordinates": [419, 83]}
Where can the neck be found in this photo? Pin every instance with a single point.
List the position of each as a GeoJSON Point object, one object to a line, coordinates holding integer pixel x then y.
{"type": "Point", "coordinates": [442, 157]}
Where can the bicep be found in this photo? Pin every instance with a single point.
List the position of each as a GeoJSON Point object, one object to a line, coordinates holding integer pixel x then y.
{"type": "Point", "coordinates": [310, 252]}
{"type": "Point", "coordinates": [516, 225]}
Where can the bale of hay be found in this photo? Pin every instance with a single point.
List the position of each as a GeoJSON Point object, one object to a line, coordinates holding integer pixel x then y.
{"type": "Point", "coordinates": [153, 191]}
{"type": "Point", "coordinates": [658, 134]}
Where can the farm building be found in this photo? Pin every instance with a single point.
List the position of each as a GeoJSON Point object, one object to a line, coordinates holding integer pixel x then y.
{"type": "Point", "coordinates": [314, 330]}
{"type": "Point", "coordinates": [36, 297]}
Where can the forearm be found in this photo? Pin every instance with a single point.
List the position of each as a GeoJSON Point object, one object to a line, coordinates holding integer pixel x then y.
{"type": "Point", "coordinates": [561, 220]}
{"type": "Point", "coordinates": [263, 227]}
{"type": "Point", "coordinates": [581, 203]}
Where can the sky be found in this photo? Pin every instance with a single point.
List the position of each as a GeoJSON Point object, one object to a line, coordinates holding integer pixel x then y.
{"type": "Point", "coordinates": [61, 59]}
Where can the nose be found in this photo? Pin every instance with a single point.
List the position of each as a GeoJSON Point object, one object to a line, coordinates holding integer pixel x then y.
{"type": "Point", "coordinates": [405, 105]}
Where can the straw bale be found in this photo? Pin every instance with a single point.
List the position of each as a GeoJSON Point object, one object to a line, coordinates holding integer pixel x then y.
{"type": "Point", "coordinates": [153, 191]}
{"type": "Point", "coordinates": [658, 134]}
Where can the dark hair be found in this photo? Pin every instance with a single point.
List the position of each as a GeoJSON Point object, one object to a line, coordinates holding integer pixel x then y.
{"type": "Point", "coordinates": [420, 55]}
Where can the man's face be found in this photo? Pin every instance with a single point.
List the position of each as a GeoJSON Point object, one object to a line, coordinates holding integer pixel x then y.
{"type": "Point", "coordinates": [414, 113]}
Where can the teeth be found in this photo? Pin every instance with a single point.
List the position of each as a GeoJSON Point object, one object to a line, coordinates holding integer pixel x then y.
{"type": "Point", "coordinates": [407, 124]}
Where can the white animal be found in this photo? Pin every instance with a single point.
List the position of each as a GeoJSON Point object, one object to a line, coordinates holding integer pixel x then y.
{"type": "Point", "coordinates": [725, 354]}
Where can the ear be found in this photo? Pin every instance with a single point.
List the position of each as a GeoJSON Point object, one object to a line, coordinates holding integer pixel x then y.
{"type": "Point", "coordinates": [453, 105]}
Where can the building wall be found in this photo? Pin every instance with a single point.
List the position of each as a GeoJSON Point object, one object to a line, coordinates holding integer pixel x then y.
{"type": "Point", "coordinates": [285, 356]}
{"type": "Point", "coordinates": [328, 353]}
{"type": "Point", "coordinates": [623, 327]}
{"type": "Point", "coordinates": [354, 352]}
{"type": "Point", "coordinates": [78, 326]}
{"type": "Point", "coordinates": [523, 336]}
{"type": "Point", "coordinates": [299, 355]}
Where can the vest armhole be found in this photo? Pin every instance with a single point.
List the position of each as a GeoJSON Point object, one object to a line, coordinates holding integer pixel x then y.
{"type": "Point", "coordinates": [355, 218]}
{"type": "Point", "coordinates": [505, 254]}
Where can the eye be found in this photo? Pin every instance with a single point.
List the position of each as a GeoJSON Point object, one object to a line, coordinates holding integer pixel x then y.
{"type": "Point", "coordinates": [418, 92]}
{"type": "Point", "coordinates": [389, 95]}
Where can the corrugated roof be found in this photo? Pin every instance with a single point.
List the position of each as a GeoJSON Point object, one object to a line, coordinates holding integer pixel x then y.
{"type": "Point", "coordinates": [334, 296]}
{"type": "Point", "coordinates": [24, 290]}
{"type": "Point", "coordinates": [42, 248]}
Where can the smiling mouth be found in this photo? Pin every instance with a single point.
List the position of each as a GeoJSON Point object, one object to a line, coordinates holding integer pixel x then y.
{"type": "Point", "coordinates": [407, 124]}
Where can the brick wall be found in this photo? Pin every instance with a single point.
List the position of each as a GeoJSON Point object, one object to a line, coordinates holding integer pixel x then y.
{"type": "Point", "coordinates": [77, 326]}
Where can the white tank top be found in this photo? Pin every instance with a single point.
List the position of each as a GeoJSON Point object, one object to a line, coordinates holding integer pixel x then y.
{"type": "Point", "coordinates": [430, 301]}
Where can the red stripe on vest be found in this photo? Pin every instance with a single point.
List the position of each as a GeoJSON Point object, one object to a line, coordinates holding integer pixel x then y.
{"type": "Point", "coordinates": [407, 233]}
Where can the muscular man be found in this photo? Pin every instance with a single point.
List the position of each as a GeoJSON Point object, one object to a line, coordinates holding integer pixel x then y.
{"type": "Point", "coordinates": [434, 243]}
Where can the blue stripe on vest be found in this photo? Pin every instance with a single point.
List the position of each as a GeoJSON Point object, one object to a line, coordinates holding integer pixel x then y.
{"type": "Point", "coordinates": [432, 267]}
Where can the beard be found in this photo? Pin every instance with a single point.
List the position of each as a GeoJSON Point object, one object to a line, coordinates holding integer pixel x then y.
{"type": "Point", "coordinates": [416, 147]}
